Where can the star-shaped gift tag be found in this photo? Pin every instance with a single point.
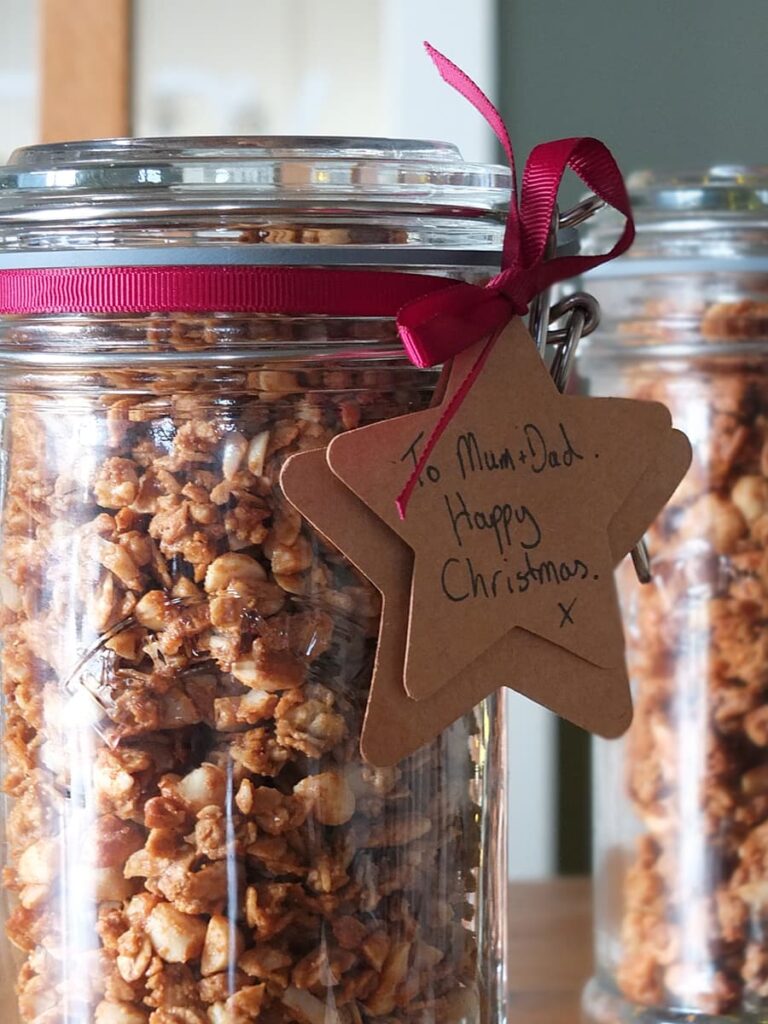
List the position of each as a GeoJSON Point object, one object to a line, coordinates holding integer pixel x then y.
{"type": "Point", "coordinates": [509, 523]}
{"type": "Point", "coordinates": [396, 725]}
{"type": "Point", "coordinates": [592, 695]}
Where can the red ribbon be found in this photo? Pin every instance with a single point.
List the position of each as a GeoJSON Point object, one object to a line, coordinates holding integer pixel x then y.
{"type": "Point", "coordinates": [287, 291]}
{"type": "Point", "coordinates": [438, 326]}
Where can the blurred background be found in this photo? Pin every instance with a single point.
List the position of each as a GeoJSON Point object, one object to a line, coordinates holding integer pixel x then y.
{"type": "Point", "coordinates": [668, 85]}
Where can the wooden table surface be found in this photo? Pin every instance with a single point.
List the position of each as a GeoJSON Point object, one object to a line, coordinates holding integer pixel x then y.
{"type": "Point", "coordinates": [550, 950]}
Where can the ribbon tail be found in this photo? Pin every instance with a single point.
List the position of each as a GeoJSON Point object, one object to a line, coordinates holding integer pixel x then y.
{"type": "Point", "coordinates": [434, 328]}
{"type": "Point", "coordinates": [459, 80]}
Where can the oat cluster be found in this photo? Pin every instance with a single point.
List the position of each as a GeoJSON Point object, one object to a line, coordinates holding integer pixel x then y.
{"type": "Point", "coordinates": [193, 837]}
{"type": "Point", "coordinates": [694, 917]}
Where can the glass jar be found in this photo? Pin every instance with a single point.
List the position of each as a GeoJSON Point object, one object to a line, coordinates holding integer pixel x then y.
{"type": "Point", "coordinates": [681, 803]}
{"type": "Point", "coordinates": [191, 836]}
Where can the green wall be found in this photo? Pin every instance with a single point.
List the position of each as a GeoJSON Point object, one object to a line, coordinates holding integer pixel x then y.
{"type": "Point", "coordinates": [665, 83]}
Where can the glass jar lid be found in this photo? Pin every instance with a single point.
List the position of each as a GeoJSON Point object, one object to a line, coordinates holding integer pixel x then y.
{"type": "Point", "coordinates": [728, 188]}
{"type": "Point", "coordinates": [139, 172]}
{"type": "Point", "coordinates": [265, 200]}
{"type": "Point", "coordinates": [691, 222]}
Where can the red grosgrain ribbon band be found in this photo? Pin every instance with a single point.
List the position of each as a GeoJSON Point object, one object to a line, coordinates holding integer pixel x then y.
{"type": "Point", "coordinates": [290, 291]}
{"type": "Point", "coordinates": [437, 326]}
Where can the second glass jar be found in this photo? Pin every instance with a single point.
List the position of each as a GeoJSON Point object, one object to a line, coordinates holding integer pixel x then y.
{"type": "Point", "coordinates": [681, 804]}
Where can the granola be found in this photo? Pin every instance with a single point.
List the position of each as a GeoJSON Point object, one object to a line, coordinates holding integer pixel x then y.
{"type": "Point", "coordinates": [693, 902]}
{"type": "Point", "coordinates": [185, 669]}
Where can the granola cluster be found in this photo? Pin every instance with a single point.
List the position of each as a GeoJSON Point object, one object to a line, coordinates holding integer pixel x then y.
{"type": "Point", "coordinates": [694, 907]}
{"type": "Point", "coordinates": [193, 837]}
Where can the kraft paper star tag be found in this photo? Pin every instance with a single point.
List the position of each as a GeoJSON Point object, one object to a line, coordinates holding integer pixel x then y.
{"type": "Point", "coordinates": [396, 725]}
{"type": "Point", "coordinates": [509, 524]}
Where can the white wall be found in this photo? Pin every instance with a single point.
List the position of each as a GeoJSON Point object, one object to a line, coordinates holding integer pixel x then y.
{"type": "Point", "coordinates": [255, 67]}
{"type": "Point", "coordinates": [18, 74]}
{"type": "Point", "coordinates": [340, 67]}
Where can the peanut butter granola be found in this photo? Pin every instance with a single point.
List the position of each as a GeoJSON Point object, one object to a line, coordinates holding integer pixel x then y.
{"type": "Point", "coordinates": [693, 903]}
{"type": "Point", "coordinates": [193, 837]}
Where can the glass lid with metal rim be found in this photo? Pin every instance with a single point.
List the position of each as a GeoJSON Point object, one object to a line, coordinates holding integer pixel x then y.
{"type": "Point", "coordinates": [726, 187]}
{"type": "Point", "coordinates": [258, 168]}
{"type": "Point", "coordinates": [371, 197]}
{"type": "Point", "coordinates": [699, 219]}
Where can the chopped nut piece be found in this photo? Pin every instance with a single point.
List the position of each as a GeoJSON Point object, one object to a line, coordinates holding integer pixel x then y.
{"type": "Point", "coordinates": [393, 972]}
{"type": "Point", "coordinates": [119, 562]}
{"type": "Point", "coordinates": [329, 797]}
{"type": "Point", "coordinates": [716, 518]}
{"type": "Point", "coordinates": [38, 863]}
{"type": "Point", "coordinates": [134, 955]}
{"type": "Point", "coordinates": [307, 722]}
{"type": "Point", "coordinates": [281, 382]}
{"type": "Point", "coordinates": [254, 706]}
{"type": "Point", "coordinates": [235, 448]}
{"type": "Point", "coordinates": [211, 835]}
{"type": "Point", "coordinates": [117, 483]}
{"type": "Point", "coordinates": [287, 560]}
{"type": "Point", "coordinates": [226, 612]}
{"type": "Point", "coordinates": [259, 752]}
{"type": "Point", "coordinates": [266, 964]}
{"type": "Point", "coordinates": [110, 884]}
{"type": "Point", "coordinates": [269, 670]}
{"type": "Point", "coordinates": [274, 813]}
{"type": "Point", "coordinates": [218, 987]}
{"type": "Point", "coordinates": [223, 945]}
{"type": "Point", "coordinates": [204, 787]}
{"type": "Point", "coordinates": [178, 1015]}
{"type": "Point", "coordinates": [151, 610]}
{"type": "Point", "coordinates": [322, 969]}
{"type": "Point", "coordinates": [176, 937]}
{"type": "Point", "coordinates": [307, 1008]}
{"type": "Point", "coordinates": [120, 1013]}
{"type": "Point", "coordinates": [750, 496]}
{"type": "Point", "coordinates": [257, 453]}
{"type": "Point", "coordinates": [195, 891]}
{"type": "Point", "coordinates": [233, 572]}
{"type": "Point", "coordinates": [375, 949]}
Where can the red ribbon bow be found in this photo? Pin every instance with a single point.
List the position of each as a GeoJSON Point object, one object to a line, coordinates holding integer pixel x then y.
{"type": "Point", "coordinates": [438, 325]}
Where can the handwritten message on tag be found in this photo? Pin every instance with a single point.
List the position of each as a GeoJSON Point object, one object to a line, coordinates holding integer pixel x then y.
{"type": "Point", "coordinates": [514, 537]}
{"type": "Point", "coordinates": [509, 520]}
